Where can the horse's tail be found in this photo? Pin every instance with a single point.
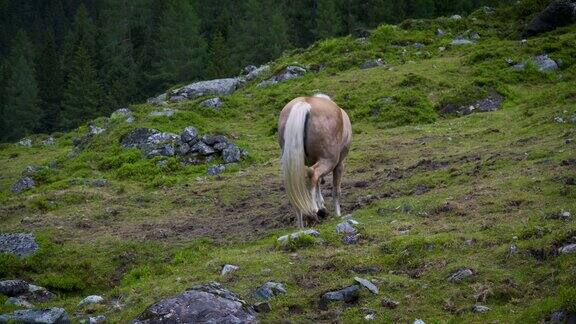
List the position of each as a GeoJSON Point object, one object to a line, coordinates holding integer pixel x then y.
{"type": "Point", "coordinates": [293, 160]}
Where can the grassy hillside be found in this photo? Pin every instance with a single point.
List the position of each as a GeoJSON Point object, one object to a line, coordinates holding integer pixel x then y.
{"type": "Point", "coordinates": [433, 193]}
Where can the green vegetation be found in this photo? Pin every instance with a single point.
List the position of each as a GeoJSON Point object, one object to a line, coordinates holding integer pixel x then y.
{"type": "Point", "coordinates": [434, 194]}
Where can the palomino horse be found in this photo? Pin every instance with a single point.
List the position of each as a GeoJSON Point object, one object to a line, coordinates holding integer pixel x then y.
{"type": "Point", "coordinates": [314, 134]}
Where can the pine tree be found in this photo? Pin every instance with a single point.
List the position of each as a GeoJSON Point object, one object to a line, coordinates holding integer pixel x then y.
{"type": "Point", "coordinates": [83, 93]}
{"type": "Point", "coordinates": [50, 84]}
{"type": "Point", "coordinates": [180, 49]}
{"type": "Point", "coordinates": [219, 65]}
{"type": "Point", "coordinates": [83, 32]}
{"type": "Point", "coordinates": [21, 114]}
{"type": "Point", "coordinates": [328, 19]}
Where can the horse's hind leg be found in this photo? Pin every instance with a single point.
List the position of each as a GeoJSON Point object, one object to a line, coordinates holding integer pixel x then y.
{"type": "Point", "coordinates": [320, 202]}
{"type": "Point", "coordinates": [300, 220]}
{"type": "Point", "coordinates": [318, 171]}
{"type": "Point", "coordinates": [336, 178]}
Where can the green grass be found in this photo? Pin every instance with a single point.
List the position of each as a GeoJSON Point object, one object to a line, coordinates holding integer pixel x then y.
{"type": "Point", "coordinates": [491, 180]}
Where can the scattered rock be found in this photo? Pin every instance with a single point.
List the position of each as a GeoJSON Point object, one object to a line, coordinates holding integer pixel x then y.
{"type": "Point", "coordinates": [367, 270]}
{"type": "Point", "coordinates": [456, 17]}
{"type": "Point", "coordinates": [217, 87]}
{"type": "Point", "coordinates": [351, 239]}
{"type": "Point", "coordinates": [13, 288]}
{"type": "Point", "coordinates": [371, 64]}
{"type": "Point", "coordinates": [31, 170]}
{"type": "Point", "coordinates": [367, 284]}
{"type": "Point", "coordinates": [216, 169]}
{"type": "Point", "coordinates": [202, 148]}
{"type": "Point", "coordinates": [212, 103]}
{"type": "Point", "coordinates": [20, 244]}
{"type": "Point", "coordinates": [160, 144]}
{"type": "Point", "coordinates": [285, 238]}
{"type": "Point", "coordinates": [440, 32]}
{"type": "Point", "coordinates": [419, 321]}
{"type": "Point", "coordinates": [166, 112]}
{"type": "Point", "coordinates": [214, 139]}
{"type": "Point", "coordinates": [99, 183]}
{"type": "Point", "coordinates": [561, 316]}
{"type": "Point", "coordinates": [441, 49]}
{"type": "Point", "coordinates": [95, 319]}
{"type": "Point", "coordinates": [92, 299]}
{"type": "Point", "coordinates": [25, 142]}
{"type": "Point", "coordinates": [419, 45]}
{"type": "Point", "coordinates": [491, 103]}
{"type": "Point", "coordinates": [460, 275]}
{"type": "Point", "coordinates": [568, 162]}
{"type": "Point", "coordinates": [209, 303]}
{"type": "Point", "coordinates": [347, 294]}
{"type": "Point", "coordinates": [262, 307]}
{"type": "Point", "coordinates": [389, 303]}
{"type": "Point", "coordinates": [229, 268]}
{"type": "Point", "coordinates": [50, 141]}
{"type": "Point", "coordinates": [461, 41]}
{"type": "Point", "coordinates": [474, 35]}
{"type": "Point", "coordinates": [95, 130]}
{"type": "Point", "coordinates": [542, 63]}
{"type": "Point", "coordinates": [255, 72]}
{"type": "Point", "coordinates": [557, 14]}
{"type": "Point", "coordinates": [14, 301]}
{"type": "Point", "coordinates": [231, 154]}
{"type": "Point", "coordinates": [288, 73]}
{"type": "Point", "coordinates": [345, 228]}
{"type": "Point", "coordinates": [480, 309]}
{"type": "Point", "coordinates": [123, 113]}
{"type": "Point", "coordinates": [37, 294]}
{"type": "Point", "coordinates": [22, 184]}
{"type": "Point", "coordinates": [137, 137]}
{"type": "Point", "coordinates": [270, 289]}
{"type": "Point", "coordinates": [41, 316]}
{"type": "Point", "coordinates": [158, 100]}
{"type": "Point", "coordinates": [189, 135]}
{"type": "Point", "coordinates": [512, 250]}
{"type": "Point", "coordinates": [568, 249]}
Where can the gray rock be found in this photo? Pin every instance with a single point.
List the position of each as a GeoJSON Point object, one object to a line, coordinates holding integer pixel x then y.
{"type": "Point", "coordinates": [30, 170]}
{"type": "Point", "coordinates": [350, 239]}
{"type": "Point", "coordinates": [557, 14]}
{"type": "Point", "coordinates": [347, 294]}
{"type": "Point", "coordinates": [214, 139]}
{"type": "Point", "coordinates": [285, 238]}
{"type": "Point", "coordinates": [202, 148]}
{"type": "Point", "coordinates": [50, 141]}
{"type": "Point", "coordinates": [491, 103]}
{"type": "Point", "coordinates": [229, 268]}
{"type": "Point", "coordinates": [568, 249]}
{"type": "Point", "coordinates": [371, 64]}
{"type": "Point", "coordinates": [389, 303]}
{"type": "Point", "coordinates": [461, 41]}
{"type": "Point", "coordinates": [123, 113]}
{"type": "Point", "coordinates": [212, 103]}
{"type": "Point", "coordinates": [13, 288]}
{"type": "Point", "coordinates": [92, 299]}
{"type": "Point", "coordinates": [419, 321]}
{"type": "Point", "coordinates": [231, 154]}
{"type": "Point", "coordinates": [419, 45]}
{"type": "Point", "coordinates": [160, 144]}
{"type": "Point", "coordinates": [95, 130]}
{"type": "Point", "coordinates": [456, 17]}
{"type": "Point", "coordinates": [346, 228]}
{"type": "Point", "coordinates": [474, 35]}
{"type": "Point", "coordinates": [262, 307]}
{"type": "Point", "coordinates": [99, 183]}
{"type": "Point", "coordinates": [288, 73]}
{"type": "Point", "coordinates": [166, 112]}
{"type": "Point", "coordinates": [210, 303]}
{"type": "Point", "coordinates": [270, 289]}
{"type": "Point", "coordinates": [542, 63]}
{"type": "Point", "coordinates": [440, 32]}
{"type": "Point", "coordinates": [94, 320]}
{"type": "Point", "coordinates": [367, 284]}
{"type": "Point", "coordinates": [137, 137]}
{"type": "Point", "coordinates": [20, 244]}
{"type": "Point", "coordinates": [182, 148]}
{"type": "Point", "coordinates": [37, 294]}
{"type": "Point", "coordinates": [257, 72]}
{"type": "Point", "coordinates": [189, 135]}
{"type": "Point", "coordinates": [37, 316]}
{"type": "Point", "coordinates": [512, 250]}
{"type": "Point", "coordinates": [248, 69]}
{"type": "Point", "coordinates": [14, 301]}
{"type": "Point", "coordinates": [158, 100]}
{"type": "Point", "coordinates": [480, 309]}
{"type": "Point", "coordinates": [565, 215]}
{"type": "Point", "coordinates": [25, 142]}
{"type": "Point", "coordinates": [460, 275]}
{"type": "Point", "coordinates": [218, 87]}
{"type": "Point", "coordinates": [217, 169]}
{"type": "Point", "coordinates": [219, 147]}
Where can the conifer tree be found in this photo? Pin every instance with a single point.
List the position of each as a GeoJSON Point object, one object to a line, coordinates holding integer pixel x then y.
{"type": "Point", "coordinates": [180, 49]}
{"type": "Point", "coordinates": [50, 84]}
{"type": "Point", "coordinates": [21, 114]}
{"type": "Point", "coordinates": [328, 20]}
{"type": "Point", "coordinates": [83, 32]}
{"type": "Point", "coordinates": [219, 65]}
{"type": "Point", "coordinates": [83, 93]}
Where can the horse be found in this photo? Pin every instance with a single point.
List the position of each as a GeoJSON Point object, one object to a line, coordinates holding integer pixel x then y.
{"type": "Point", "coordinates": [314, 134]}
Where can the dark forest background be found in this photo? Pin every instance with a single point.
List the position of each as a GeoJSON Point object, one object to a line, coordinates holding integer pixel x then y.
{"type": "Point", "coordinates": [63, 62]}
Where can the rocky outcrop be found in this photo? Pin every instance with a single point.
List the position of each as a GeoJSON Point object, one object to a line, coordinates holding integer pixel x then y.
{"type": "Point", "coordinates": [558, 13]}
{"type": "Point", "coordinates": [137, 137]}
{"type": "Point", "coordinates": [288, 73]}
{"type": "Point", "coordinates": [20, 244]}
{"type": "Point", "coordinates": [492, 102]}
{"type": "Point", "coordinates": [209, 303]}
{"type": "Point", "coordinates": [217, 87]}
{"type": "Point", "coordinates": [40, 316]}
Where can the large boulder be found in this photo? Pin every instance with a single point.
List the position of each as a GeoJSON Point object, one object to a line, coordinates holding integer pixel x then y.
{"type": "Point", "coordinates": [160, 144]}
{"type": "Point", "coordinates": [20, 244]}
{"type": "Point", "coordinates": [217, 87]}
{"type": "Point", "coordinates": [13, 288]}
{"type": "Point", "coordinates": [251, 72]}
{"type": "Point", "coordinates": [558, 13]}
{"type": "Point", "coordinates": [288, 73]}
{"type": "Point", "coordinates": [209, 303]}
{"type": "Point", "coordinates": [53, 315]}
{"type": "Point", "coordinates": [231, 153]}
{"type": "Point", "coordinates": [22, 184]}
{"type": "Point", "coordinates": [137, 137]}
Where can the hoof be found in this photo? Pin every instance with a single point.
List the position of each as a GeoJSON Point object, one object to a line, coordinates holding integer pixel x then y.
{"type": "Point", "coordinates": [322, 213]}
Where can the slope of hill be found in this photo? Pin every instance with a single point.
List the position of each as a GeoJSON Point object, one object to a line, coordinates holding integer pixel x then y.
{"type": "Point", "coordinates": [433, 192]}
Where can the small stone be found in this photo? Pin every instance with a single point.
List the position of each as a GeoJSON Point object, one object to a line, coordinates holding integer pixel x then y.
{"type": "Point", "coordinates": [24, 183]}
{"type": "Point", "coordinates": [99, 183]}
{"type": "Point", "coordinates": [92, 299]}
{"type": "Point", "coordinates": [568, 249]}
{"type": "Point", "coordinates": [441, 49]}
{"type": "Point", "coordinates": [217, 169]}
{"type": "Point", "coordinates": [389, 303]}
{"type": "Point", "coordinates": [214, 139]}
{"type": "Point", "coordinates": [219, 146]}
{"type": "Point", "coordinates": [367, 284]}
{"type": "Point", "coordinates": [512, 250]}
{"type": "Point", "coordinates": [13, 301]}
{"type": "Point", "coordinates": [231, 154]}
{"type": "Point", "coordinates": [293, 236]}
{"type": "Point", "coordinates": [370, 317]}
{"type": "Point", "coordinates": [480, 309]}
{"type": "Point", "coordinates": [166, 112]}
{"type": "Point", "coordinates": [262, 307]}
{"type": "Point", "coordinates": [371, 64]}
{"type": "Point", "coordinates": [345, 228]}
{"type": "Point", "coordinates": [95, 130]}
{"type": "Point", "coordinates": [270, 289]}
{"type": "Point", "coordinates": [565, 215]}
{"type": "Point", "coordinates": [182, 148]}
{"type": "Point", "coordinates": [456, 17]}
{"type": "Point", "coordinates": [229, 268]}
{"type": "Point", "coordinates": [461, 41]}
{"type": "Point", "coordinates": [460, 275]}
{"type": "Point", "coordinates": [350, 239]}
{"type": "Point", "coordinates": [440, 32]}
{"type": "Point", "coordinates": [97, 319]}
{"type": "Point", "coordinates": [50, 141]}
{"type": "Point", "coordinates": [25, 142]}
{"type": "Point", "coordinates": [347, 294]}
{"type": "Point", "coordinates": [212, 103]}
{"type": "Point", "coordinates": [419, 321]}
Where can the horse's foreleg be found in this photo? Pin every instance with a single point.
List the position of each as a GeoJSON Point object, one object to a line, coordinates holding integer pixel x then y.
{"type": "Point", "coordinates": [300, 220]}
{"type": "Point", "coordinates": [318, 171]}
{"type": "Point", "coordinates": [320, 201]}
{"type": "Point", "coordinates": [336, 178]}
